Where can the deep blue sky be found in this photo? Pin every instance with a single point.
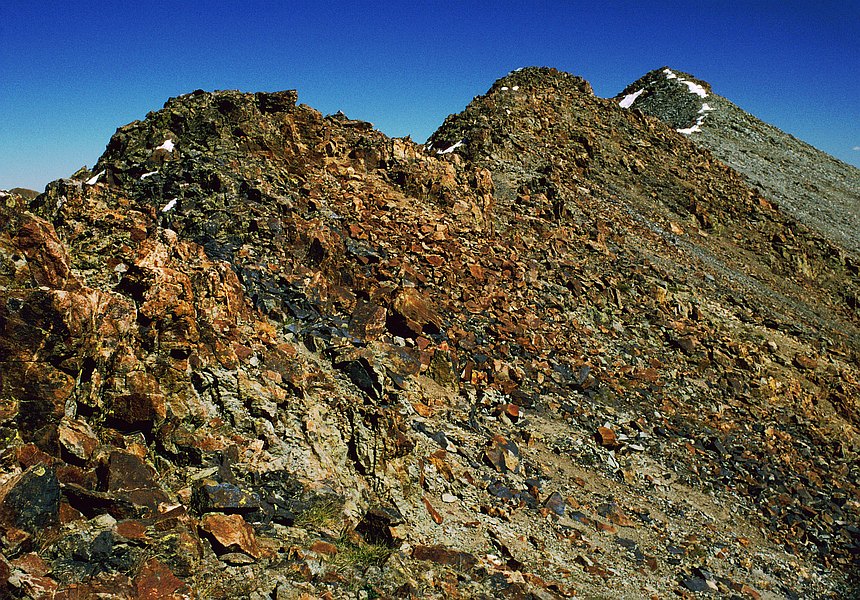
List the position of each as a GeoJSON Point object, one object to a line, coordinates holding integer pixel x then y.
{"type": "Point", "coordinates": [72, 72]}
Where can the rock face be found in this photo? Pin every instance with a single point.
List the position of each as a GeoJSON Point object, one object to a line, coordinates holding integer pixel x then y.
{"type": "Point", "coordinates": [808, 185]}
{"type": "Point", "coordinates": [557, 351]}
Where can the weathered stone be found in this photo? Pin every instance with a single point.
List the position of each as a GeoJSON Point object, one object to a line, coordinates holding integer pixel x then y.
{"type": "Point", "coordinates": [32, 501]}
{"type": "Point", "coordinates": [462, 561]}
{"type": "Point", "coordinates": [132, 478]}
{"type": "Point", "coordinates": [231, 532]}
{"type": "Point", "coordinates": [155, 581]}
{"type": "Point", "coordinates": [223, 497]}
{"type": "Point", "coordinates": [77, 439]}
{"type": "Point", "coordinates": [502, 454]}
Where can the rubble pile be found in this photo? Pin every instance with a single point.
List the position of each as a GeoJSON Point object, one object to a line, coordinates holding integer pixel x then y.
{"type": "Point", "coordinates": [558, 351]}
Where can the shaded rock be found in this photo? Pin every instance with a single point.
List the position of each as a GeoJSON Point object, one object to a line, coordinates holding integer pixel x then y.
{"type": "Point", "coordinates": [440, 555]}
{"type": "Point", "coordinates": [32, 501]}
{"type": "Point", "coordinates": [223, 497]}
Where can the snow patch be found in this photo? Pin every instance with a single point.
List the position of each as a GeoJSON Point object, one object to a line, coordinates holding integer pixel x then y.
{"type": "Point", "coordinates": [695, 88]}
{"type": "Point", "coordinates": [95, 179]}
{"type": "Point", "coordinates": [504, 88]}
{"type": "Point", "coordinates": [629, 99]}
{"type": "Point", "coordinates": [169, 206]}
{"type": "Point", "coordinates": [450, 149]}
{"type": "Point", "coordinates": [167, 145]}
{"type": "Point", "coordinates": [150, 174]}
{"type": "Point", "coordinates": [705, 108]}
{"type": "Point", "coordinates": [670, 74]}
{"type": "Point", "coordinates": [515, 88]}
{"type": "Point", "coordinates": [693, 128]}
{"type": "Point", "coordinates": [690, 130]}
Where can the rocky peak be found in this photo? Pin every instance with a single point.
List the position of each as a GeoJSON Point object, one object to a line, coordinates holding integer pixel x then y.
{"type": "Point", "coordinates": [812, 187]}
{"type": "Point", "coordinates": [676, 98]}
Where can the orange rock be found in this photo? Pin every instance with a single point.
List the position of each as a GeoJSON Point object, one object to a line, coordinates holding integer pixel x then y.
{"type": "Point", "coordinates": [155, 581]}
{"type": "Point", "coordinates": [322, 547]}
{"type": "Point", "coordinates": [606, 438]}
{"type": "Point", "coordinates": [232, 532]}
{"type": "Point", "coordinates": [434, 514]}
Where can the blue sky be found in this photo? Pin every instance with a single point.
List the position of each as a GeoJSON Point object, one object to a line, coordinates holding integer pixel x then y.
{"type": "Point", "coordinates": [72, 72]}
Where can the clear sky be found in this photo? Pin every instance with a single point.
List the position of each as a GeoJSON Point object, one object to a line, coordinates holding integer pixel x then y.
{"type": "Point", "coordinates": [72, 72]}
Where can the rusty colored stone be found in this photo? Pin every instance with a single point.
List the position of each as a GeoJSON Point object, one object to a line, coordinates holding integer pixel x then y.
{"type": "Point", "coordinates": [155, 581]}
{"type": "Point", "coordinates": [434, 514]}
{"type": "Point", "coordinates": [323, 547]}
{"type": "Point", "coordinates": [606, 438]}
{"type": "Point", "coordinates": [232, 533]}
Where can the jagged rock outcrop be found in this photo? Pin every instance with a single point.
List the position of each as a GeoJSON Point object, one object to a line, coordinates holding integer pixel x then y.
{"type": "Point", "coordinates": [809, 185]}
{"type": "Point", "coordinates": [259, 352]}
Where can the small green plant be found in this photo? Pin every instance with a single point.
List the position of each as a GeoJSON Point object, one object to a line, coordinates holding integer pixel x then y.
{"type": "Point", "coordinates": [321, 514]}
{"type": "Point", "coordinates": [358, 556]}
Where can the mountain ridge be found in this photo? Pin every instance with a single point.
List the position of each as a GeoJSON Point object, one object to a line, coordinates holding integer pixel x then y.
{"type": "Point", "coordinates": [557, 351]}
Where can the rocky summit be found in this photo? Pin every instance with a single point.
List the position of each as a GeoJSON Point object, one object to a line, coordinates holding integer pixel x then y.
{"type": "Point", "coordinates": [561, 350]}
{"type": "Point", "coordinates": [807, 184]}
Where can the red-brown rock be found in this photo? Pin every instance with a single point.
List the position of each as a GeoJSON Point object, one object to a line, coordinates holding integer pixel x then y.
{"type": "Point", "coordinates": [232, 533]}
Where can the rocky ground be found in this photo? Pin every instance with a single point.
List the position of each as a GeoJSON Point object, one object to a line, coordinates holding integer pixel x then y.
{"type": "Point", "coordinates": [559, 351]}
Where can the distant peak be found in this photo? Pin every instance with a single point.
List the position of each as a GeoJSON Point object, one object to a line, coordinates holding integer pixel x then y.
{"type": "Point", "coordinates": [674, 96]}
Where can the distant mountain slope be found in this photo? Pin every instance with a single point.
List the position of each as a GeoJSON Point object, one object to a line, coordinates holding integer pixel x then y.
{"type": "Point", "coordinates": [808, 184]}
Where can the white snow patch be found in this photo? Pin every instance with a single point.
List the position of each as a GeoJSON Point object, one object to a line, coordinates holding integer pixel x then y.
{"type": "Point", "coordinates": [629, 99]}
{"type": "Point", "coordinates": [515, 88]}
{"type": "Point", "coordinates": [694, 128]}
{"type": "Point", "coordinates": [95, 179]}
{"type": "Point", "coordinates": [705, 108]}
{"type": "Point", "coordinates": [450, 149]}
{"type": "Point", "coordinates": [504, 88]}
{"type": "Point", "coordinates": [690, 130]}
{"type": "Point", "coordinates": [669, 74]}
{"type": "Point", "coordinates": [169, 206]}
{"type": "Point", "coordinates": [695, 88]}
{"type": "Point", "coordinates": [150, 174]}
{"type": "Point", "coordinates": [167, 145]}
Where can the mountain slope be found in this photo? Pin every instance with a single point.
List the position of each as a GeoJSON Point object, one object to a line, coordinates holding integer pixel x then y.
{"type": "Point", "coordinates": [818, 190]}
{"type": "Point", "coordinates": [260, 352]}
